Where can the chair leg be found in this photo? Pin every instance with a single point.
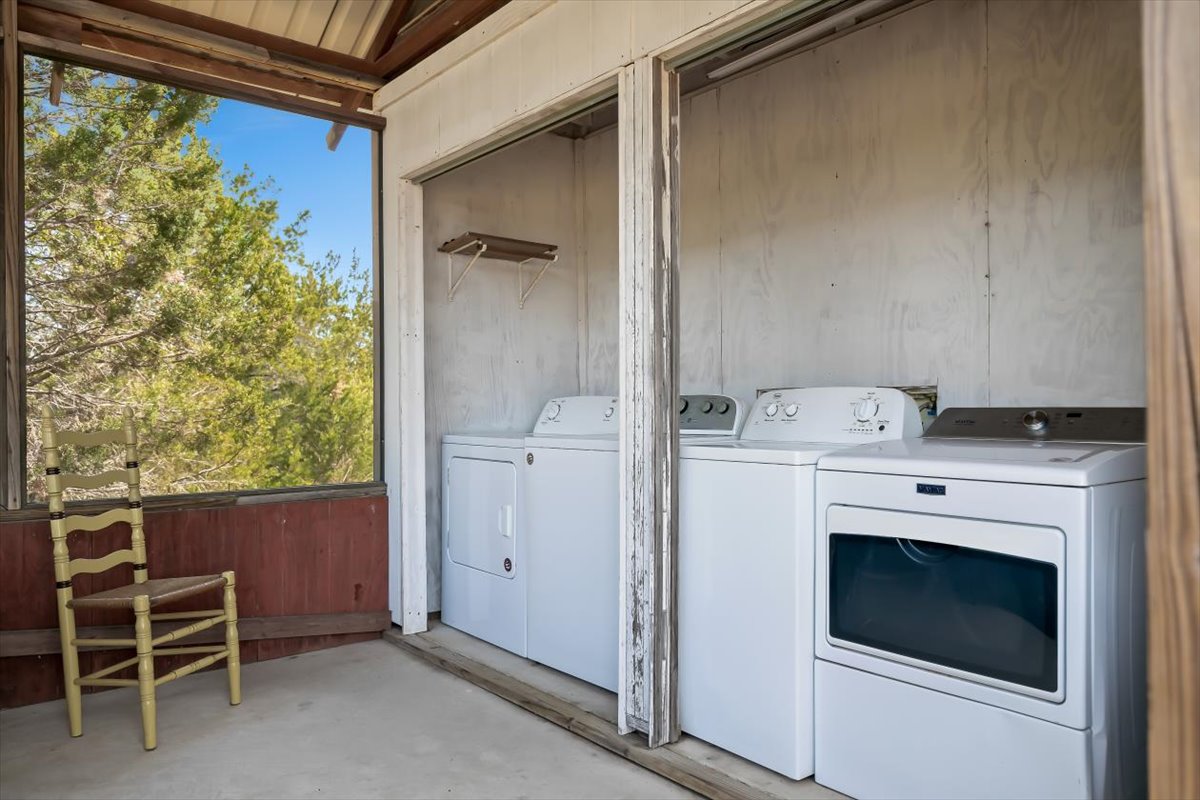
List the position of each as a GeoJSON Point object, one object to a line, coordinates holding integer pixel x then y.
{"type": "Point", "coordinates": [145, 655]}
{"type": "Point", "coordinates": [233, 662]}
{"type": "Point", "coordinates": [70, 656]}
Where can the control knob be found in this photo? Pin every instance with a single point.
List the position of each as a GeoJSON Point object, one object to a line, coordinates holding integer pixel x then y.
{"type": "Point", "coordinates": [683, 405]}
{"type": "Point", "coordinates": [791, 409]}
{"type": "Point", "coordinates": [772, 409]}
{"type": "Point", "coordinates": [866, 409]}
{"type": "Point", "coordinates": [1036, 420]}
{"type": "Point", "coordinates": [723, 408]}
{"type": "Point", "coordinates": [553, 411]}
{"type": "Point", "coordinates": [707, 406]}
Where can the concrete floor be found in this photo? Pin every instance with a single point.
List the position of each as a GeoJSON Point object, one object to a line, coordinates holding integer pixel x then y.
{"type": "Point", "coordinates": [366, 720]}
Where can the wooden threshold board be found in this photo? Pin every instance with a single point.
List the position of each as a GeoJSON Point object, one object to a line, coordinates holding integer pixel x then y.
{"type": "Point", "coordinates": [583, 710]}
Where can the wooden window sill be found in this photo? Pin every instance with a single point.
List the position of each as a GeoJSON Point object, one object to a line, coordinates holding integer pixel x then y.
{"type": "Point", "coordinates": [176, 502]}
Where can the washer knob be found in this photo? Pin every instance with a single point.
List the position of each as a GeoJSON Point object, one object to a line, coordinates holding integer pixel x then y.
{"type": "Point", "coordinates": [608, 412]}
{"type": "Point", "coordinates": [772, 409]}
{"type": "Point", "coordinates": [1036, 420]}
{"type": "Point", "coordinates": [706, 406]}
{"type": "Point", "coordinates": [865, 409]}
{"type": "Point", "coordinates": [791, 409]}
{"type": "Point", "coordinates": [683, 404]}
{"type": "Point", "coordinates": [723, 408]}
{"type": "Point", "coordinates": [553, 411]}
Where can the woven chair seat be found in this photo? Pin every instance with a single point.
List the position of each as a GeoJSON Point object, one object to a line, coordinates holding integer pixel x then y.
{"type": "Point", "coordinates": [160, 591]}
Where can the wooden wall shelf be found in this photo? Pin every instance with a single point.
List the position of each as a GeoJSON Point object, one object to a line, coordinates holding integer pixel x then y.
{"type": "Point", "coordinates": [500, 248]}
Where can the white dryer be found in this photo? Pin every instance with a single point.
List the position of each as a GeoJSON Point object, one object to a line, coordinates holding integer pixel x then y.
{"type": "Point", "coordinates": [980, 609]}
{"type": "Point", "coordinates": [746, 567]}
{"type": "Point", "coordinates": [573, 527]}
{"type": "Point", "coordinates": [483, 549]}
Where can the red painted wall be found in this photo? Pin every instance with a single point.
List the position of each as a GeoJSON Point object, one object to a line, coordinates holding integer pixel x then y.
{"type": "Point", "coordinates": [304, 557]}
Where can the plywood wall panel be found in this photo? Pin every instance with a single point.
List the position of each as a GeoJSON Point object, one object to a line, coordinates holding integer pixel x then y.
{"type": "Point", "coordinates": [835, 211]}
{"type": "Point", "coordinates": [1065, 155]}
{"type": "Point", "coordinates": [601, 219]}
{"type": "Point", "coordinates": [700, 291]}
{"type": "Point", "coordinates": [490, 365]}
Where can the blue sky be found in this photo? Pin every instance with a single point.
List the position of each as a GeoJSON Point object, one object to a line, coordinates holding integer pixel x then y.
{"type": "Point", "coordinates": [334, 186]}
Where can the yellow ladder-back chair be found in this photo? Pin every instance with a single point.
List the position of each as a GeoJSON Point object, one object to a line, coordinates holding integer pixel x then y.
{"type": "Point", "coordinates": [142, 596]}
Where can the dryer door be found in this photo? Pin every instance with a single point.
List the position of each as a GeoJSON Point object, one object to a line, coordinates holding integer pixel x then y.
{"type": "Point", "coordinates": [481, 511]}
{"type": "Point", "coordinates": [977, 600]}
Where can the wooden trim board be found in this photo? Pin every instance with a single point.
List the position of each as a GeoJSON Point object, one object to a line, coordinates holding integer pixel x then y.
{"type": "Point", "coordinates": [45, 641]}
{"type": "Point", "coordinates": [1171, 79]}
{"type": "Point", "coordinates": [667, 761]}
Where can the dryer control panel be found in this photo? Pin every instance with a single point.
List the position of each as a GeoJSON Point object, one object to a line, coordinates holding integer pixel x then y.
{"type": "Point", "coordinates": [1046, 424]}
{"type": "Point", "coordinates": [591, 415]}
{"type": "Point", "coordinates": [833, 414]}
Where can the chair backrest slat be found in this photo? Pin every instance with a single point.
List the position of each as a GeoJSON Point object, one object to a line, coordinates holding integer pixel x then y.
{"type": "Point", "coordinates": [73, 480]}
{"type": "Point", "coordinates": [91, 438]}
{"type": "Point", "coordinates": [60, 524]}
{"type": "Point", "coordinates": [93, 565]}
{"type": "Point", "coordinates": [97, 522]}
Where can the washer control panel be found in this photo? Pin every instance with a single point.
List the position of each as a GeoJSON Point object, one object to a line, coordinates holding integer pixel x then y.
{"type": "Point", "coordinates": [582, 415]}
{"type": "Point", "coordinates": [833, 414]}
{"type": "Point", "coordinates": [591, 415]}
{"type": "Point", "coordinates": [1046, 424]}
{"type": "Point", "coordinates": [710, 415]}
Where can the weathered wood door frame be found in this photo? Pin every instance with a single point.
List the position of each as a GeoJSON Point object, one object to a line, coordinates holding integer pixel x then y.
{"type": "Point", "coordinates": [1171, 79]}
{"type": "Point", "coordinates": [648, 144]}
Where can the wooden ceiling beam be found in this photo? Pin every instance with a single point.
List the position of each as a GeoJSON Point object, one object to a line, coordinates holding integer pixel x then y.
{"type": "Point", "coordinates": [63, 27]}
{"type": "Point", "coordinates": [432, 30]}
{"type": "Point", "coordinates": [395, 18]}
{"type": "Point", "coordinates": [169, 26]}
{"type": "Point", "coordinates": [196, 81]}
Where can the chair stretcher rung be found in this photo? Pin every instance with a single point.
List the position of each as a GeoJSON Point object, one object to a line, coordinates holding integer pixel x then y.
{"type": "Point", "coordinates": [104, 642]}
{"type": "Point", "coordinates": [186, 615]}
{"type": "Point", "coordinates": [188, 630]}
{"type": "Point", "coordinates": [100, 673]}
{"type": "Point", "coordinates": [106, 681]}
{"type": "Point", "coordinates": [188, 669]}
{"type": "Point", "coordinates": [179, 651]}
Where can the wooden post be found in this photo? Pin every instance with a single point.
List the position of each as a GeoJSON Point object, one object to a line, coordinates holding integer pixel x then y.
{"type": "Point", "coordinates": [649, 277]}
{"type": "Point", "coordinates": [404, 413]}
{"type": "Point", "coordinates": [1171, 77]}
{"type": "Point", "coordinates": [12, 436]}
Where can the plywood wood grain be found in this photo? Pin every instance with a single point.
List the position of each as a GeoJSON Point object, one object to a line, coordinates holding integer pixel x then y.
{"type": "Point", "coordinates": [1065, 156]}
{"type": "Point", "coordinates": [835, 214]}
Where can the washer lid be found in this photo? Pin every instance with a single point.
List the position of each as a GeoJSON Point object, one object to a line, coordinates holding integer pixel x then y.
{"type": "Point", "coordinates": [503, 439]}
{"type": "Point", "coordinates": [1046, 463]}
{"type": "Point", "coordinates": [795, 454]}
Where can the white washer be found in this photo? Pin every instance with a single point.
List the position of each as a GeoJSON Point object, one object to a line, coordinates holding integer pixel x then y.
{"type": "Point", "coordinates": [483, 548]}
{"type": "Point", "coordinates": [573, 527]}
{"type": "Point", "coordinates": [980, 609]}
{"type": "Point", "coordinates": [746, 564]}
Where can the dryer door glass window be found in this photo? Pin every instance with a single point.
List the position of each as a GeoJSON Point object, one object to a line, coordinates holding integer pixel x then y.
{"type": "Point", "coordinates": [978, 611]}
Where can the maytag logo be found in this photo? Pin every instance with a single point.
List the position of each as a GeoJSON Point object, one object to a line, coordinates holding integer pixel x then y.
{"type": "Point", "coordinates": [935, 489]}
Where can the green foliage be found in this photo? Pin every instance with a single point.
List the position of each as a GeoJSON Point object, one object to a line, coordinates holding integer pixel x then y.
{"type": "Point", "coordinates": [155, 282]}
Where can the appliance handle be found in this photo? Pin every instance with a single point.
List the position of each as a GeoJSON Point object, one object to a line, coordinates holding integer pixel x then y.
{"type": "Point", "coordinates": [1033, 542]}
{"type": "Point", "coordinates": [505, 521]}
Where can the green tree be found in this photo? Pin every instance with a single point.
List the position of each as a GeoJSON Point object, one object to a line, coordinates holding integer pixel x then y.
{"type": "Point", "coordinates": [155, 280]}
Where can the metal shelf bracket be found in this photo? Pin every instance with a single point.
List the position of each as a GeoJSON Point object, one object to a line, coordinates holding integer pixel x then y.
{"type": "Point", "coordinates": [451, 283]}
{"type": "Point", "coordinates": [523, 291]}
